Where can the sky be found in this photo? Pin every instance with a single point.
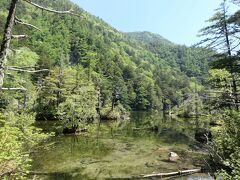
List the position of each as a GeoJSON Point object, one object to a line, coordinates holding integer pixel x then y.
{"type": "Point", "coordinates": [177, 20]}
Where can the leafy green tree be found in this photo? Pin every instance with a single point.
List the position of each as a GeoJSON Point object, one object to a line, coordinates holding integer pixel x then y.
{"type": "Point", "coordinates": [220, 81]}
{"type": "Point", "coordinates": [78, 109]}
{"type": "Point", "coordinates": [224, 151]}
{"type": "Point", "coordinates": [18, 139]}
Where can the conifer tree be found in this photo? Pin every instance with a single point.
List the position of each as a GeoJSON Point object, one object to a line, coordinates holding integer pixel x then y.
{"type": "Point", "coordinates": [221, 36]}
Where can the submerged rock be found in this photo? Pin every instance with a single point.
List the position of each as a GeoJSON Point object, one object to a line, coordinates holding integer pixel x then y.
{"type": "Point", "coordinates": [173, 157]}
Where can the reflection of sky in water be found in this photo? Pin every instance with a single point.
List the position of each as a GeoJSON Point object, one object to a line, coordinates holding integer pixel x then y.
{"type": "Point", "coordinates": [120, 149]}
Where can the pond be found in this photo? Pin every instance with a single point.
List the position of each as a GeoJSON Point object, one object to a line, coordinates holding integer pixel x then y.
{"type": "Point", "coordinates": [121, 150]}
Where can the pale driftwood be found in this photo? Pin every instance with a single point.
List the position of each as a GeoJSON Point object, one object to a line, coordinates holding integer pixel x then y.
{"type": "Point", "coordinates": [28, 71]}
{"type": "Point", "coordinates": [185, 172]}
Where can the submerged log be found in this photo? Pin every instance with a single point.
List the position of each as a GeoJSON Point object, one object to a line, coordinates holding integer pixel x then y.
{"type": "Point", "coordinates": [170, 174]}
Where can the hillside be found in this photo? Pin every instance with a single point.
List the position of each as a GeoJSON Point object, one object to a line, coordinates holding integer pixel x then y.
{"type": "Point", "coordinates": [139, 71]}
{"type": "Point", "coordinates": [191, 61]}
{"type": "Point", "coordinates": [150, 38]}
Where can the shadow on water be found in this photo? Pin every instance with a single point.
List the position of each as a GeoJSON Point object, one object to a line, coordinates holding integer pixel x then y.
{"type": "Point", "coordinates": [120, 149]}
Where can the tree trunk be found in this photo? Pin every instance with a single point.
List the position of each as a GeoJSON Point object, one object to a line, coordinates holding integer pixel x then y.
{"type": "Point", "coordinates": [229, 51]}
{"type": "Point", "coordinates": [6, 39]}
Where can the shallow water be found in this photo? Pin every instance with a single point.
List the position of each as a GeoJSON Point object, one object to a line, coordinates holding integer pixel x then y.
{"type": "Point", "coordinates": [121, 149]}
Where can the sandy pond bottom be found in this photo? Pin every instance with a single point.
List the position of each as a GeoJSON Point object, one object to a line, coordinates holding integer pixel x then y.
{"type": "Point", "coordinates": [117, 154]}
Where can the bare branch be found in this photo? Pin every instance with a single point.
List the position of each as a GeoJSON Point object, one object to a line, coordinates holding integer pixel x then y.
{"type": "Point", "coordinates": [235, 46]}
{"type": "Point", "coordinates": [24, 67]}
{"type": "Point", "coordinates": [19, 36]}
{"type": "Point", "coordinates": [19, 21]}
{"type": "Point", "coordinates": [29, 71]}
{"type": "Point", "coordinates": [13, 89]}
{"type": "Point", "coordinates": [51, 10]}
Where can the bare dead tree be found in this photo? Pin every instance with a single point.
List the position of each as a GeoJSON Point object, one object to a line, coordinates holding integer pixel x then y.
{"type": "Point", "coordinates": [7, 36]}
{"type": "Point", "coordinates": [7, 39]}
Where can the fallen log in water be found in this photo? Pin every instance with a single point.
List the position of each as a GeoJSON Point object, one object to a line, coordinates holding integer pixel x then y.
{"type": "Point", "coordinates": [170, 174]}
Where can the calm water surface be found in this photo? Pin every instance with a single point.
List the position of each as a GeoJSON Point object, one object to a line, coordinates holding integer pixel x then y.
{"type": "Point", "coordinates": [121, 149]}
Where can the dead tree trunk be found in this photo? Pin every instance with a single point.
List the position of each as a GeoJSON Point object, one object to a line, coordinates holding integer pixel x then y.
{"type": "Point", "coordinates": [11, 19]}
{"type": "Point", "coordinates": [229, 52]}
{"type": "Point", "coordinates": [6, 39]}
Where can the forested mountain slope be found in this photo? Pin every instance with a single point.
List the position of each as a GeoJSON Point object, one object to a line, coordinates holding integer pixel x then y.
{"type": "Point", "coordinates": [139, 71]}
{"type": "Point", "coordinates": [191, 61]}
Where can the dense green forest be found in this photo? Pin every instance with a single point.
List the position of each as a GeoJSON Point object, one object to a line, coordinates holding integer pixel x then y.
{"type": "Point", "coordinates": [77, 69]}
{"type": "Point", "coordinates": [144, 78]}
